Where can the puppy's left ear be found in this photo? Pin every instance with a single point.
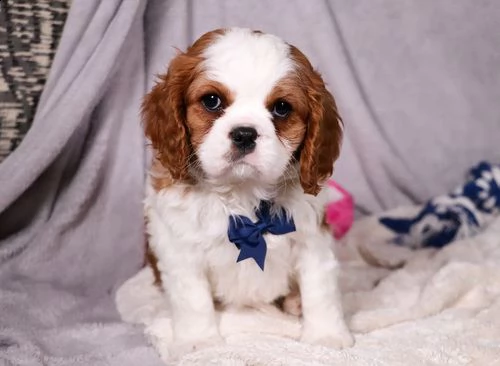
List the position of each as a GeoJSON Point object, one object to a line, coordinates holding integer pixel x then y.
{"type": "Point", "coordinates": [164, 117]}
{"type": "Point", "coordinates": [323, 138]}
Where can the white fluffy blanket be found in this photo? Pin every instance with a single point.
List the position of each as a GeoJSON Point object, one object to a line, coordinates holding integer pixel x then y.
{"type": "Point", "coordinates": [405, 307]}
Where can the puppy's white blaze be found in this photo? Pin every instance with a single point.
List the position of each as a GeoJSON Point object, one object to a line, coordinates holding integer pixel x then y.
{"type": "Point", "coordinates": [248, 63]}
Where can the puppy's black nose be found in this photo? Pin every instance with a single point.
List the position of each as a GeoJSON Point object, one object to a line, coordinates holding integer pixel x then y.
{"type": "Point", "coordinates": [244, 138]}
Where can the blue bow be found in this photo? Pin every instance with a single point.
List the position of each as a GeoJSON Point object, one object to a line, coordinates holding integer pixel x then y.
{"type": "Point", "coordinates": [248, 236]}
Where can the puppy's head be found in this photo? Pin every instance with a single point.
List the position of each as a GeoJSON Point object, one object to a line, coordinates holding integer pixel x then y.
{"type": "Point", "coordinates": [243, 107]}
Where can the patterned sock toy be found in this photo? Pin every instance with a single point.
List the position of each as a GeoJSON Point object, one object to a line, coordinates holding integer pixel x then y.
{"type": "Point", "coordinates": [458, 215]}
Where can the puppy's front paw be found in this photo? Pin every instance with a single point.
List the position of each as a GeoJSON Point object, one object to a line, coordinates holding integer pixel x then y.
{"type": "Point", "coordinates": [181, 348]}
{"type": "Point", "coordinates": [337, 338]}
{"type": "Point", "coordinates": [292, 304]}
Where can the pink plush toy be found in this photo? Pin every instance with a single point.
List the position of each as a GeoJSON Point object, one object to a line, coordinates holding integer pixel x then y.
{"type": "Point", "coordinates": [340, 212]}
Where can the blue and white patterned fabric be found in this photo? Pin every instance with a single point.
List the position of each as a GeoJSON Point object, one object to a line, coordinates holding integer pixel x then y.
{"type": "Point", "coordinates": [455, 216]}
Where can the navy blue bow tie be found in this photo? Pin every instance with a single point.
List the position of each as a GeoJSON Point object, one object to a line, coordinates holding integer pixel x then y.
{"type": "Point", "coordinates": [248, 236]}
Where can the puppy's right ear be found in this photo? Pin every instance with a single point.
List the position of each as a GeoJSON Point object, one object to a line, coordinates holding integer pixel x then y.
{"type": "Point", "coordinates": [321, 146]}
{"type": "Point", "coordinates": [164, 117]}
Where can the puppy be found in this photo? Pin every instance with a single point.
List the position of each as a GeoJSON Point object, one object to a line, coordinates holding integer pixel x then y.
{"type": "Point", "coordinates": [244, 134]}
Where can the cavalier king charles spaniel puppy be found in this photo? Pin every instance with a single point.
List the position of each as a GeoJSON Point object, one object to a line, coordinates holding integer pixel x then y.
{"type": "Point", "coordinates": [245, 135]}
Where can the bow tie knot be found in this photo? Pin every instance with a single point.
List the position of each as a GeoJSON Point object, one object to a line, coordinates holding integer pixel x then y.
{"type": "Point", "coordinates": [248, 236]}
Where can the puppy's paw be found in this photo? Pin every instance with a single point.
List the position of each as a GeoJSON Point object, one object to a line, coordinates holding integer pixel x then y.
{"type": "Point", "coordinates": [181, 348]}
{"type": "Point", "coordinates": [336, 338]}
{"type": "Point", "coordinates": [292, 304]}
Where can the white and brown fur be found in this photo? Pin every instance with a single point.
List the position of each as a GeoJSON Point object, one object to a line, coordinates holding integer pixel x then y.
{"type": "Point", "coordinates": [196, 183]}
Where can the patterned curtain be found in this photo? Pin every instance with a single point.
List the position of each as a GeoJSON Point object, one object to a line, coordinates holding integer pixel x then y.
{"type": "Point", "coordinates": [29, 34]}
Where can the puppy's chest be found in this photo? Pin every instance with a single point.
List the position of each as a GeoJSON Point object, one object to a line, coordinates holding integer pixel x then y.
{"type": "Point", "coordinates": [206, 224]}
{"type": "Point", "coordinates": [245, 283]}
{"type": "Point", "coordinates": [220, 251]}
{"type": "Point", "coordinates": [232, 282]}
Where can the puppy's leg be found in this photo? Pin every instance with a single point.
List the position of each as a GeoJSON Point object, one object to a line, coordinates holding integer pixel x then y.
{"type": "Point", "coordinates": [186, 286]}
{"type": "Point", "coordinates": [183, 277]}
{"type": "Point", "coordinates": [323, 318]}
{"type": "Point", "coordinates": [193, 315]}
{"type": "Point", "coordinates": [292, 303]}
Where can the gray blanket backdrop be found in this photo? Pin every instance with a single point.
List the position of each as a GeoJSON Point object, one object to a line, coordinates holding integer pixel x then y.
{"type": "Point", "coordinates": [417, 81]}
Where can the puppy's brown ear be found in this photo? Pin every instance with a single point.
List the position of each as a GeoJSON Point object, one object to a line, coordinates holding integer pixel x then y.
{"type": "Point", "coordinates": [322, 142]}
{"type": "Point", "coordinates": [164, 117]}
{"type": "Point", "coordinates": [321, 146]}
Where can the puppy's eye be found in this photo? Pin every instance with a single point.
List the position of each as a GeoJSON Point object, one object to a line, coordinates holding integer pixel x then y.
{"type": "Point", "coordinates": [211, 102]}
{"type": "Point", "coordinates": [281, 109]}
